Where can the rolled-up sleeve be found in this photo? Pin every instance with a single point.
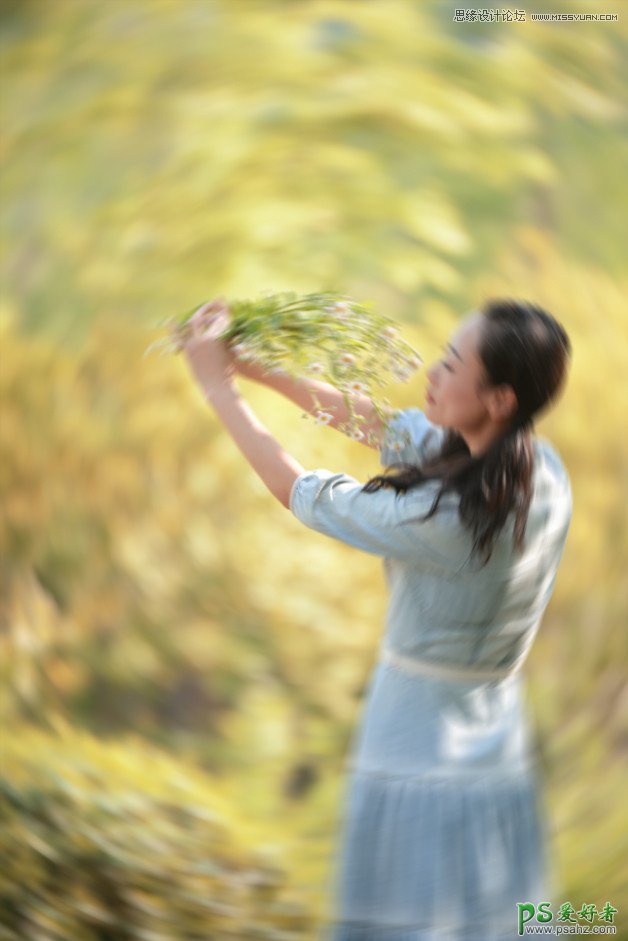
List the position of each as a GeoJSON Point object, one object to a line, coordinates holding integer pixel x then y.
{"type": "Point", "coordinates": [383, 522]}
{"type": "Point", "coordinates": [410, 438]}
{"type": "Point", "coordinates": [335, 504]}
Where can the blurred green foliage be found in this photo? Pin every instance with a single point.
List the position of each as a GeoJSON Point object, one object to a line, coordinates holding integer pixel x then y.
{"type": "Point", "coordinates": [119, 841]}
{"type": "Point", "coordinates": [156, 152]}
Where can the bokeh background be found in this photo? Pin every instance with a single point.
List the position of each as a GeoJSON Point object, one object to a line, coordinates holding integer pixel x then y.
{"type": "Point", "coordinates": [181, 662]}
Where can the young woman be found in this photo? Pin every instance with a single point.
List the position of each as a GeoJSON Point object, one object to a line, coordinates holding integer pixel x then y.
{"type": "Point", "coordinates": [445, 829]}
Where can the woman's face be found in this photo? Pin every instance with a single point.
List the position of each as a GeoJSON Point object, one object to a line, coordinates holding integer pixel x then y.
{"type": "Point", "coordinates": [457, 395]}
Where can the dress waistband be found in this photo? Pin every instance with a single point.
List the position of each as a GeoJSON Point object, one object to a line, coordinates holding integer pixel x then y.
{"type": "Point", "coordinates": [432, 668]}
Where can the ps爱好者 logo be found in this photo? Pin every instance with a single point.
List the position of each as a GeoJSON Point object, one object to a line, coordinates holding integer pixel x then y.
{"type": "Point", "coordinates": [535, 919]}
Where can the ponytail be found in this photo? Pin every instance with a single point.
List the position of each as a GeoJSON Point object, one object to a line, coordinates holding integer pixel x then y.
{"type": "Point", "coordinates": [489, 486]}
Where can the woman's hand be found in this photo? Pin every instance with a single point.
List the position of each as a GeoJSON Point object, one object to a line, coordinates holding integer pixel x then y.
{"type": "Point", "coordinates": [209, 358]}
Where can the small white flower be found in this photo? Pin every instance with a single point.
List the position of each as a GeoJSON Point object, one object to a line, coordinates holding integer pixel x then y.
{"type": "Point", "coordinates": [316, 367]}
{"type": "Point", "coordinates": [241, 351]}
{"type": "Point", "coordinates": [401, 374]}
{"type": "Point", "coordinates": [357, 388]}
{"type": "Point", "coordinates": [323, 418]}
{"type": "Point", "coordinates": [347, 359]}
{"type": "Point", "coordinates": [415, 362]}
{"type": "Point", "coordinates": [357, 434]}
{"type": "Point", "coordinates": [389, 332]}
{"type": "Point", "coordinates": [339, 311]}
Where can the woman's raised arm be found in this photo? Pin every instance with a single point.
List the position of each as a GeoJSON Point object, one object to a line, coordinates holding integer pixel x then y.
{"type": "Point", "coordinates": [212, 364]}
{"type": "Point", "coordinates": [313, 395]}
{"type": "Point", "coordinates": [277, 468]}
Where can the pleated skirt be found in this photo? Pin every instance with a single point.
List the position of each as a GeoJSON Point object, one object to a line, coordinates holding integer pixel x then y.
{"type": "Point", "coordinates": [443, 825]}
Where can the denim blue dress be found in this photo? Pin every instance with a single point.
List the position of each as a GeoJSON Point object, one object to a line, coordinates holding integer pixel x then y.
{"type": "Point", "coordinates": [443, 823]}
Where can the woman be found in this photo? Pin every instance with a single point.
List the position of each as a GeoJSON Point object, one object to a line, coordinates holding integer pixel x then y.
{"type": "Point", "coordinates": [445, 829]}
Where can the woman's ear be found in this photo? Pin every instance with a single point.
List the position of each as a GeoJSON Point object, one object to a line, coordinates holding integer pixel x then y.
{"type": "Point", "coordinates": [502, 403]}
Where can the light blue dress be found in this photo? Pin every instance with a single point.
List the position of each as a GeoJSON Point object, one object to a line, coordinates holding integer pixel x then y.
{"type": "Point", "coordinates": [444, 827]}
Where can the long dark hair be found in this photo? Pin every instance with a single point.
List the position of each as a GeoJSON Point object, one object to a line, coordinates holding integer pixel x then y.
{"type": "Point", "coordinates": [521, 345]}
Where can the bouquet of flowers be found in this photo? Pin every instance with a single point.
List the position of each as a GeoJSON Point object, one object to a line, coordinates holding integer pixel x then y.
{"type": "Point", "coordinates": [326, 336]}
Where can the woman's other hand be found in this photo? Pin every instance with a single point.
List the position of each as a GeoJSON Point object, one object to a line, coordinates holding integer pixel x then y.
{"type": "Point", "coordinates": [209, 358]}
